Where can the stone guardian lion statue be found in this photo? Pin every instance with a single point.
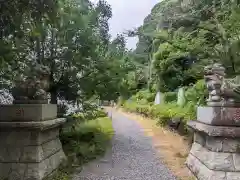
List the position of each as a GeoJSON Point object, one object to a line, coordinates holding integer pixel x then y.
{"type": "Point", "coordinates": [33, 88]}
{"type": "Point", "coordinates": [222, 91]}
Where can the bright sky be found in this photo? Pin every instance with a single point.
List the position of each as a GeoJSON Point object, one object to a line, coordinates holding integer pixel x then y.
{"type": "Point", "coordinates": [128, 14]}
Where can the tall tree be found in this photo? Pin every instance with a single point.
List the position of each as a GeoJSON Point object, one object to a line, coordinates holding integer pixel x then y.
{"type": "Point", "coordinates": [189, 35]}
{"type": "Point", "coordinates": [70, 43]}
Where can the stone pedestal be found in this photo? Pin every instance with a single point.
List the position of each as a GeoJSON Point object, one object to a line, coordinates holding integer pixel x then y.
{"type": "Point", "coordinates": [215, 153]}
{"type": "Point", "coordinates": [30, 148]}
{"type": "Point", "coordinates": [219, 116]}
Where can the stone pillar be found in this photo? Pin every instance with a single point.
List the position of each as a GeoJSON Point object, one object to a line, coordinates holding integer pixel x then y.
{"type": "Point", "coordinates": [215, 153]}
{"type": "Point", "coordinates": [30, 148]}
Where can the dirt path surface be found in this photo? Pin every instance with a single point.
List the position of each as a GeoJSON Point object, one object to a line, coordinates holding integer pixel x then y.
{"type": "Point", "coordinates": [132, 156]}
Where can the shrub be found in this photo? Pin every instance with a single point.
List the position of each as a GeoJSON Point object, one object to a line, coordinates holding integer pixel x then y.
{"type": "Point", "coordinates": [195, 96]}
{"type": "Point", "coordinates": [137, 107]}
{"type": "Point", "coordinates": [172, 110]}
{"type": "Point", "coordinates": [163, 112]}
{"type": "Point", "coordinates": [88, 139]}
{"type": "Point", "coordinates": [150, 96]}
{"type": "Point", "coordinates": [74, 119]}
{"type": "Point", "coordinates": [89, 115]}
{"type": "Point", "coordinates": [87, 106]}
{"type": "Point", "coordinates": [84, 140]}
{"type": "Point", "coordinates": [170, 97]}
{"type": "Point", "coordinates": [61, 109]}
{"type": "Point", "coordinates": [130, 106]}
{"type": "Point", "coordinates": [197, 93]}
{"type": "Point", "coordinates": [144, 95]}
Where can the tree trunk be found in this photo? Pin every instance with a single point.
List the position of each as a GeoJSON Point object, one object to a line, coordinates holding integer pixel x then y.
{"type": "Point", "coordinates": [38, 50]}
{"type": "Point", "coordinates": [53, 97]}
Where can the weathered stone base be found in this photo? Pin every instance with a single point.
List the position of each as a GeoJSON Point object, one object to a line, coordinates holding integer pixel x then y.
{"type": "Point", "coordinates": [219, 116]}
{"type": "Point", "coordinates": [202, 172]}
{"type": "Point", "coordinates": [215, 153]}
{"type": "Point", "coordinates": [27, 112]}
{"type": "Point", "coordinates": [30, 150]}
{"type": "Point", "coordinates": [31, 171]}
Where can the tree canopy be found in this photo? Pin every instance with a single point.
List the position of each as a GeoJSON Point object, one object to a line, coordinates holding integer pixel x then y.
{"type": "Point", "coordinates": [72, 38]}
{"type": "Point", "coordinates": [179, 37]}
{"type": "Point", "coordinates": [69, 36]}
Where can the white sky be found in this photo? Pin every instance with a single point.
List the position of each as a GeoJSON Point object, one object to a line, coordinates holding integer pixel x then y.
{"type": "Point", "coordinates": [128, 14]}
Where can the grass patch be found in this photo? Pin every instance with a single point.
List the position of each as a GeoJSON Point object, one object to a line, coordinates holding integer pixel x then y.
{"type": "Point", "coordinates": [87, 141]}
{"type": "Point", "coordinates": [62, 173]}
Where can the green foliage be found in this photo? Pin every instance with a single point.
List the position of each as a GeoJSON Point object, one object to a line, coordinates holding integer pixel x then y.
{"type": "Point", "coordinates": [15, 12]}
{"type": "Point", "coordinates": [143, 95]}
{"type": "Point", "coordinates": [181, 37]}
{"type": "Point", "coordinates": [85, 139]}
{"type": "Point", "coordinates": [195, 96]}
{"type": "Point", "coordinates": [64, 172]}
{"type": "Point", "coordinates": [197, 93]}
{"type": "Point", "coordinates": [162, 113]}
{"type": "Point", "coordinates": [89, 115]}
{"type": "Point", "coordinates": [61, 110]}
{"type": "Point", "coordinates": [88, 140]}
{"type": "Point", "coordinates": [70, 37]}
{"type": "Point", "coordinates": [82, 116]}
{"type": "Point", "coordinates": [137, 107]}
{"type": "Point", "coordinates": [170, 97]}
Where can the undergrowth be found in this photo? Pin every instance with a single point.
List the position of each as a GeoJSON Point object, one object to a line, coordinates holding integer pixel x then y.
{"type": "Point", "coordinates": [169, 109]}
{"type": "Point", "coordinates": [88, 140]}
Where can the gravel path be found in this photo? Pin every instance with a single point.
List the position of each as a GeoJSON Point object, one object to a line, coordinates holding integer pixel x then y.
{"type": "Point", "coordinates": [132, 156]}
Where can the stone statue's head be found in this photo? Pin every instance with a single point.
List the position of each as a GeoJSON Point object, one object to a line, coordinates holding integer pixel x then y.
{"type": "Point", "coordinates": [215, 69]}
{"type": "Point", "coordinates": [33, 87]}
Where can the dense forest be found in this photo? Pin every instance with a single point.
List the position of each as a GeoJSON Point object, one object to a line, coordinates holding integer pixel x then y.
{"type": "Point", "coordinates": [71, 38]}
{"type": "Point", "coordinates": [177, 39]}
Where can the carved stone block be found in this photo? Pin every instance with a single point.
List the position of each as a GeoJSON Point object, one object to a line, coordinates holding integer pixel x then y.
{"type": "Point", "coordinates": [215, 152]}
{"type": "Point", "coordinates": [31, 171]}
{"type": "Point", "coordinates": [219, 116]}
{"type": "Point", "coordinates": [217, 161]}
{"type": "Point", "coordinates": [27, 112]}
{"type": "Point", "coordinates": [201, 171]}
{"type": "Point", "coordinates": [31, 150]}
{"type": "Point", "coordinates": [215, 131]}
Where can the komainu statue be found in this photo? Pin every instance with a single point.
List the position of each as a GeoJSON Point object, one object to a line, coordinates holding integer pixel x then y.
{"type": "Point", "coordinates": [222, 91]}
{"type": "Point", "coordinates": [32, 89]}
